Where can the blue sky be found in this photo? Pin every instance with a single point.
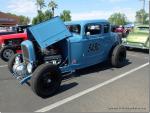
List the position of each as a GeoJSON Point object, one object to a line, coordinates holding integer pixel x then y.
{"type": "Point", "coordinates": [80, 9]}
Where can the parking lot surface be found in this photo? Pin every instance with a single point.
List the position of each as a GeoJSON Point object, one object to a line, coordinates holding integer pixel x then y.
{"type": "Point", "coordinates": [123, 89]}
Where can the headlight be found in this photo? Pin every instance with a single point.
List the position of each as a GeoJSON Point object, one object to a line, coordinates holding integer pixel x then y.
{"type": "Point", "coordinates": [141, 44]}
{"type": "Point", "coordinates": [17, 60]}
{"type": "Point", "coordinates": [29, 68]}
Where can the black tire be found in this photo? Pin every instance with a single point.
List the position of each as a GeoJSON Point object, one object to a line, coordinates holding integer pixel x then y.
{"type": "Point", "coordinates": [118, 56]}
{"type": "Point", "coordinates": [46, 80]}
{"type": "Point", "coordinates": [4, 53]}
{"type": "Point", "coordinates": [11, 62]}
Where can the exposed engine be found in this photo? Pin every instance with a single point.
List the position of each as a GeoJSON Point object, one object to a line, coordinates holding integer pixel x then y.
{"type": "Point", "coordinates": [52, 55]}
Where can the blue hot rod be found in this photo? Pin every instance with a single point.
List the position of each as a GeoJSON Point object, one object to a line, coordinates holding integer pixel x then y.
{"type": "Point", "coordinates": [55, 48]}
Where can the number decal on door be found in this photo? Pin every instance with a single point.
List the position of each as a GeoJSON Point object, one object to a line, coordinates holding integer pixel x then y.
{"type": "Point", "coordinates": [94, 47]}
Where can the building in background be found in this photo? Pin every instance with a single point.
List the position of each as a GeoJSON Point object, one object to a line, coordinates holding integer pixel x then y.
{"type": "Point", "coordinates": [7, 20]}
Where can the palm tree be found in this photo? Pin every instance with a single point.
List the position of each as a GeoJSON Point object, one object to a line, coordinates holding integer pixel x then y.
{"type": "Point", "coordinates": [53, 6]}
{"type": "Point", "coordinates": [40, 4]}
{"type": "Point", "coordinates": [65, 15]}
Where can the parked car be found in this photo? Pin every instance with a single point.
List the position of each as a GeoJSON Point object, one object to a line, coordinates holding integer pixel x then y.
{"type": "Point", "coordinates": [14, 30]}
{"type": "Point", "coordinates": [138, 38]}
{"type": "Point", "coordinates": [113, 28]}
{"type": "Point", "coordinates": [10, 41]}
{"type": "Point", "coordinates": [10, 45]}
{"type": "Point", "coordinates": [122, 31]}
{"type": "Point", "coordinates": [55, 48]}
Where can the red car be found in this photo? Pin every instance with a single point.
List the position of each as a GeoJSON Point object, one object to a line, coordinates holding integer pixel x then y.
{"type": "Point", "coordinates": [10, 44]}
{"type": "Point", "coordinates": [123, 32]}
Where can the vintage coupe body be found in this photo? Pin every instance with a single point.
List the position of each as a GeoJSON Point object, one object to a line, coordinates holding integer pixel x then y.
{"type": "Point", "coordinates": [53, 50]}
{"type": "Point", "coordinates": [138, 38]}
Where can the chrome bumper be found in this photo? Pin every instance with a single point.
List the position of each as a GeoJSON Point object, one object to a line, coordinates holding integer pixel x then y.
{"type": "Point", "coordinates": [22, 80]}
{"type": "Point", "coordinates": [137, 46]}
{"type": "Point", "coordinates": [20, 73]}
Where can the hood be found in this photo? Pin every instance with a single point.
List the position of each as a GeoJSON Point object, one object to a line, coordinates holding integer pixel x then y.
{"type": "Point", "coordinates": [137, 37]}
{"type": "Point", "coordinates": [48, 32]}
{"type": "Point", "coordinates": [14, 36]}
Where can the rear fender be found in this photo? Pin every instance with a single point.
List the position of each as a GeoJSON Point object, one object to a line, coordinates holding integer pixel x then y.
{"type": "Point", "coordinates": [112, 48]}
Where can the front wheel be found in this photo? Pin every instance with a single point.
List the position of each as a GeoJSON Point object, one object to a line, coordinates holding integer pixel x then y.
{"type": "Point", "coordinates": [46, 80]}
{"type": "Point", "coordinates": [6, 53]}
{"type": "Point", "coordinates": [11, 62]}
{"type": "Point", "coordinates": [118, 56]}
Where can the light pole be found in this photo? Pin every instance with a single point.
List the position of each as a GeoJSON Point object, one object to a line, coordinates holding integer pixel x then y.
{"type": "Point", "coordinates": [143, 11]}
{"type": "Point", "coordinates": [149, 29]}
{"type": "Point", "coordinates": [149, 34]}
{"type": "Point", "coordinates": [143, 7]}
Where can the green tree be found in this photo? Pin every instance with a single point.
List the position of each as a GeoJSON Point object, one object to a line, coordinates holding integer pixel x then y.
{"type": "Point", "coordinates": [40, 4]}
{"type": "Point", "coordinates": [65, 15]}
{"type": "Point", "coordinates": [12, 14]}
{"type": "Point", "coordinates": [48, 15]}
{"type": "Point", "coordinates": [42, 17]}
{"type": "Point", "coordinates": [118, 19]}
{"type": "Point", "coordinates": [24, 20]}
{"type": "Point", "coordinates": [34, 21]}
{"type": "Point", "coordinates": [52, 5]}
{"type": "Point", "coordinates": [39, 18]}
{"type": "Point", "coordinates": [141, 17]}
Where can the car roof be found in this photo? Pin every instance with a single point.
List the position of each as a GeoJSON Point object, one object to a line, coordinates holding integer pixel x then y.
{"type": "Point", "coordinates": [83, 22]}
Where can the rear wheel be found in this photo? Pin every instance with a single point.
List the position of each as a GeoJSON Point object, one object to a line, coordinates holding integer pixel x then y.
{"type": "Point", "coordinates": [118, 56]}
{"type": "Point", "coordinates": [46, 80]}
{"type": "Point", "coordinates": [6, 53]}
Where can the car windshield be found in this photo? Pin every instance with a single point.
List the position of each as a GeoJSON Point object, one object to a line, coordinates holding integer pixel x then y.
{"type": "Point", "coordinates": [74, 29]}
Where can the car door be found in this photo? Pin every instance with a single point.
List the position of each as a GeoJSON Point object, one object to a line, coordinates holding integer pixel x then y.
{"type": "Point", "coordinates": [94, 51]}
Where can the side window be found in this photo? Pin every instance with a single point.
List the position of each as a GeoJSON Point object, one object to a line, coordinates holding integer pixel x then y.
{"type": "Point", "coordinates": [106, 28]}
{"type": "Point", "coordinates": [74, 28]}
{"type": "Point", "coordinates": [93, 29]}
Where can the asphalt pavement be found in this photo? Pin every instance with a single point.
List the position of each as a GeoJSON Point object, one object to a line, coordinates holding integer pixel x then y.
{"type": "Point", "coordinates": [99, 88]}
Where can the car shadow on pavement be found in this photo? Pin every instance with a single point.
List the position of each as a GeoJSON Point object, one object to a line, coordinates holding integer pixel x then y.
{"type": "Point", "coordinates": [92, 69]}
{"type": "Point", "coordinates": [63, 88]}
{"type": "Point", "coordinates": [146, 51]}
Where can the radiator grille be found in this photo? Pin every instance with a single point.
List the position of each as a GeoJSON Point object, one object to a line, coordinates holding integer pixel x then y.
{"type": "Point", "coordinates": [25, 52]}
